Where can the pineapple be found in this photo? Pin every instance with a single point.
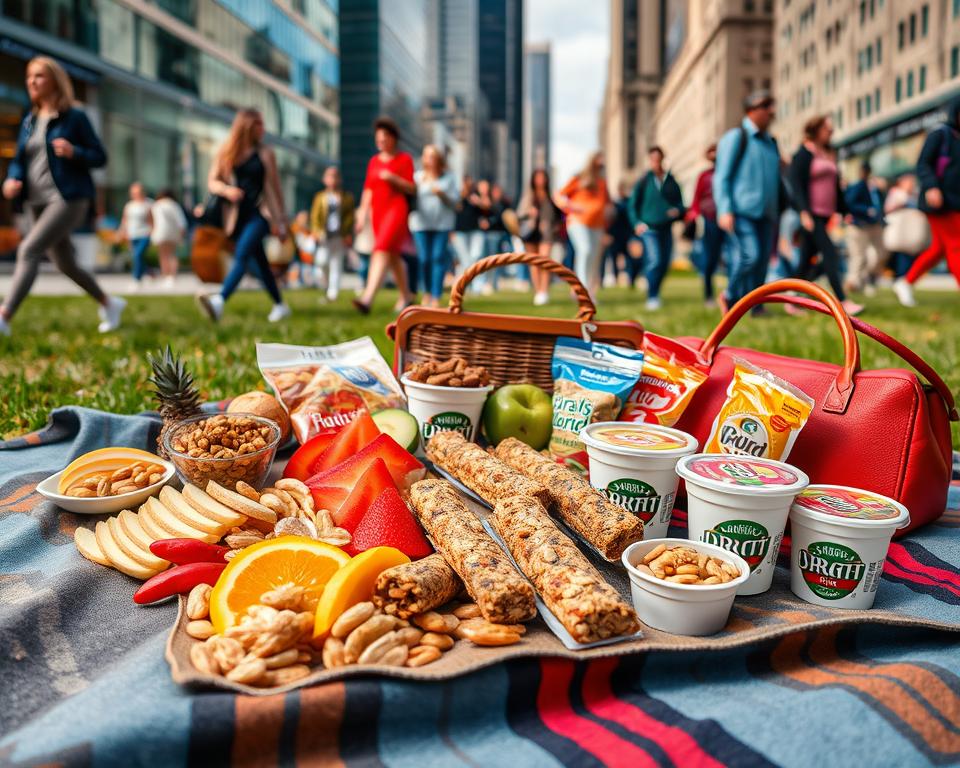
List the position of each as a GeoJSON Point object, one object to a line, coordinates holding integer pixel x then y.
{"type": "Point", "coordinates": [177, 397]}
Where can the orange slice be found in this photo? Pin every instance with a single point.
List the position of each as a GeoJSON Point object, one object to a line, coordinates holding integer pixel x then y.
{"type": "Point", "coordinates": [353, 584]}
{"type": "Point", "coordinates": [262, 567]}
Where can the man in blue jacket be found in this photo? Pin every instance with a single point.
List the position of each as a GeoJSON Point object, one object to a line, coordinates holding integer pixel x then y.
{"type": "Point", "coordinates": [746, 188]}
{"type": "Point", "coordinates": [865, 235]}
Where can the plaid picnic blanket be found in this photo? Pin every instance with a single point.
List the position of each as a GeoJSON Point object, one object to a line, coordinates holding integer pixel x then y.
{"type": "Point", "coordinates": [83, 680]}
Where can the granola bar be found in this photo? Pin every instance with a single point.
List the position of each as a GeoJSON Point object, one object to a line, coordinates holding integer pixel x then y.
{"type": "Point", "coordinates": [406, 590]}
{"type": "Point", "coordinates": [608, 527]}
{"type": "Point", "coordinates": [575, 592]}
{"type": "Point", "coordinates": [482, 473]}
{"type": "Point", "coordinates": [504, 596]}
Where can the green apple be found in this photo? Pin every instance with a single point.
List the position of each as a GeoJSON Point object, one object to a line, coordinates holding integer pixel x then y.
{"type": "Point", "coordinates": [523, 411]}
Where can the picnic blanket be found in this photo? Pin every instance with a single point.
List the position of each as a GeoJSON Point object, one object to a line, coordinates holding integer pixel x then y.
{"type": "Point", "coordinates": [83, 679]}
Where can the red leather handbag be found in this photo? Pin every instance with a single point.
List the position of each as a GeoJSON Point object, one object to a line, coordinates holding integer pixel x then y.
{"type": "Point", "coordinates": [881, 430]}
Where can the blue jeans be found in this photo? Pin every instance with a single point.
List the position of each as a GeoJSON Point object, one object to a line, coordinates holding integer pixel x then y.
{"type": "Point", "coordinates": [249, 253]}
{"type": "Point", "coordinates": [657, 253]}
{"type": "Point", "coordinates": [434, 263]}
{"type": "Point", "coordinates": [139, 246]}
{"type": "Point", "coordinates": [750, 245]}
{"type": "Point", "coordinates": [711, 245]}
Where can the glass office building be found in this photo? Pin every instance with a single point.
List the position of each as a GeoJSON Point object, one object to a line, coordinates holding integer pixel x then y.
{"type": "Point", "coordinates": [161, 80]}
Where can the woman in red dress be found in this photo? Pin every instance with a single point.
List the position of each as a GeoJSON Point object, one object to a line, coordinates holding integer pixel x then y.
{"type": "Point", "coordinates": [389, 181]}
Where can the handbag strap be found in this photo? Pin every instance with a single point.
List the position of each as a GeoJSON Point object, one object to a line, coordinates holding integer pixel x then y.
{"type": "Point", "coordinates": [587, 308]}
{"type": "Point", "coordinates": [838, 398]}
{"type": "Point", "coordinates": [897, 347]}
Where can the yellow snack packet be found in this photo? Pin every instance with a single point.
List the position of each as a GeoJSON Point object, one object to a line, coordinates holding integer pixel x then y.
{"type": "Point", "coordinates": [762, 416]}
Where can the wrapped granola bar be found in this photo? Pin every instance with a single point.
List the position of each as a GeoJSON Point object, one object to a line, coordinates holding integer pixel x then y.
{"type": "Point", "coordinates": [504, 596]}
{"type": "Point", "coordinates": [412, 588]}
{"type": "Point", "coordinates": [606, 526]}
{"type": "Point", "coordinates": [574, 591]}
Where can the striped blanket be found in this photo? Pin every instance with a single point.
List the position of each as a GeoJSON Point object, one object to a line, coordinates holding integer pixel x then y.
{"type": "Point", "coordinates": [84, 680]}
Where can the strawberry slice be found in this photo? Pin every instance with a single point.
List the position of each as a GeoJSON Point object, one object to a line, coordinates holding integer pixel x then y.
{"type": "Point", "coordinates": [402, 466]}
{"type": "Point", "coordinates": [358, 434]}
{"type": "Point", "coordinates": [389, 523]}
{"type": "Point", "coordinates": [372, 484]}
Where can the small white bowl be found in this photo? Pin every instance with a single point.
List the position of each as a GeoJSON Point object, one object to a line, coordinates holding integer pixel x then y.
{"type": "Point", "coordinates": [682, 609]}
{"type": "Point", "coordinates": [104, 505]}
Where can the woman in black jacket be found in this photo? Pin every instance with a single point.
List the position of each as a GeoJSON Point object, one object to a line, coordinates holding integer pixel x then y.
{"type": "Point", "coordinates": [50, 179]}
{"type": "Point", "coordinates": [815, 183]}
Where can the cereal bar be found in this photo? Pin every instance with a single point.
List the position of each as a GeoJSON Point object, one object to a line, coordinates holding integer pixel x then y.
{"type": "Point", "coordinates": [412, 588]}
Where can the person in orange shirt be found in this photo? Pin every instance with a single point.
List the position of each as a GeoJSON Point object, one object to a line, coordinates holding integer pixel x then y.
{"type": "Point", "coordinates": [586, 202]}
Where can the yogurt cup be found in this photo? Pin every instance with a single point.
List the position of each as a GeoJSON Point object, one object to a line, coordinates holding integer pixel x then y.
{"type": "Point", "coordinates": [439, 409]}
{"type": "Point", "coordinates": [741, 503]}
{"type": "Point", "coordinates": [634, 465]}
{"type": "Point", "coordinates": [682, 609]}
{"type": "Point", "coordinates": [840, 537]}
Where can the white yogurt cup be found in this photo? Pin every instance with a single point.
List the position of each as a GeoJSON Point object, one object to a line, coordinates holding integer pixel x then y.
{"type": "Point", "coordinates": [741, 503]}
{"type": "Point", "coordinates": [440, 409]}
{"type": "Point", "coordinates": [840, 537]}
{"type": "Point", "coordinates": [635, 466]}
{"type": "Point", "coordinates": [682, 609]}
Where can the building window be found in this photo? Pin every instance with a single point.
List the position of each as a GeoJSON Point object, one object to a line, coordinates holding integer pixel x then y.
{"type": "Point", "coordinates": [863, 11]}
{"type": "Point", "coordinates": [859, 109]}
{"type": "Point", "coordinates": [840, 111]}
{"type": "Point", "coordinates": [909, 84]}
{"type": "Point", "coordinates": [901, 34]}
{"type": "Point", "coordinates": [873, 8]}
{"type": "Point", "coordinates": [955, 61]}
{"type": "Point", "coordinates": [956, 9]}
{"type": "Point", "coordinates": [749, 6]}
{"type": "Point", "coordinates": [879, 51]}
{"type": "Point", "coordinates": [869, 58]}
{"type": "Point", "coordinates": [876, 100]}
{"type": "Point", "coordinates": [922, 84]}
{"type": "Point", "coordinates": [913, 28]}
{"type": "Point", "coordinates": [924, 20]}
{"type": "Point", "coordinates": [898, 89]}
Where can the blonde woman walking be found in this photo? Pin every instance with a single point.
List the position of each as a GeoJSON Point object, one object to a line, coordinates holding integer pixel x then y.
{"type": "Point", "coordinates": [585, 199]}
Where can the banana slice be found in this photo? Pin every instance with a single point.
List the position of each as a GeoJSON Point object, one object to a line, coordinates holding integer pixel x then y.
{"type": "Point", "coordinates": [130, 523]}
{"type": "Point", "coordinates": [150, 528]}
{"type": "Point", "coordinates": [145, 557]}
{"type": "Point", "coordinates": [86, 542]}
{"type": "Point", "coordinates": [208, 506]}
{"type": "Point", "coordinates": [117, 558]}
{"type": "Point", "coordinates": [174, 501]}
{"type": "Point", "coordinates": [176, 528]}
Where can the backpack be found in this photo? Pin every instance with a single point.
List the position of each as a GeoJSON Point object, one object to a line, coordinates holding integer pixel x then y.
{"type": "Point", "coordinates": [784, 197]}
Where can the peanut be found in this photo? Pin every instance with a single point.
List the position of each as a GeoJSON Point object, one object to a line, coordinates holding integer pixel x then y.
{"type": "Point", "coordinates": [468, 611]}
{"type": "Point", "coordinates": [368, 632]}
{"type": "Point", "coordinates": [285, 675]}
{"type": "Point", "coordinates": [282, 659]}
{"type": "Point", "coordinates": [443, 642]}
{"type": "Point", "coordinates": [226, 651]}
{"type": "Point", "coordinates": [352, 618]}
{"type": "Point", "coordinates": [248, 672]}
{"type": "Point", "coordinates": [431, 621]}
{"type": "Point", "coordinates": [198, 602]}
{"type": "Point", "coordinates": [203, 660]}
{"type": "Point", "coordinates": [395, 657]}
{"type": "Point", "coordinates": [410, 636]}
{"type": "Point", "coordinates": [379, 647]}
{"type": "Point", "coordinates": [685, 565]}
{"type": "Point", "coordinates": [481, 632]}
{"type": "Point", "coordinates": [333, 653]}
{"type": "Point", "coordinates": [201, 629]}
{"type": "Point", "coordinates": [422, 655]}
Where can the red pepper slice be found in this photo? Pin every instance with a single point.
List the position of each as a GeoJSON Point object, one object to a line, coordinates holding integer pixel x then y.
{"type": "Point", "coordinates": [180, 578]}
{"type": "Point", "coordinates": [183, 551]}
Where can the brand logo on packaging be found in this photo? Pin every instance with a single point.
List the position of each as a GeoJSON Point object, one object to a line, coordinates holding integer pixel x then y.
{"type": "Point", "coordinates": [835, 502]}
{"type": "Point", "coordinates": [447, 422]}
{"type": "Point", "coordinates": [571, 414]}
{"type": "Point", "coordinates": [635, 496]}
{"type": "Point", "coordinates": [744, 435]}
{"type": "Point", "coordinates": [832, 571]}
{"type": "Point", "coordinates": [743, 537]}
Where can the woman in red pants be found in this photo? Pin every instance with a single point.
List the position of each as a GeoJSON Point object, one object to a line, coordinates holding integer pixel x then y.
{"type": "Point", "coordinates": [938, 171]}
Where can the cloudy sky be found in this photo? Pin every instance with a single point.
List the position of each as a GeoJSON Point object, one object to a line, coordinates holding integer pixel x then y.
{"type": "Point", "coordinates": [578, 34]}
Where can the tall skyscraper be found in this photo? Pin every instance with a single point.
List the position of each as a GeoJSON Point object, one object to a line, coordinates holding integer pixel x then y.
{"type": "Point", "coordinates": [536, 107]}
{"type": "Point", "coordinates": [384, 66]}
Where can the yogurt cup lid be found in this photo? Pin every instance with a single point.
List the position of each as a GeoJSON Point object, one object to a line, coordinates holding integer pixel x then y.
{"type": "Point", "coordinates": [742, 474]}
{"type": "Point", "coordinates": [631, 439]}
{"type": "Point", "coordinates": [850, 506]}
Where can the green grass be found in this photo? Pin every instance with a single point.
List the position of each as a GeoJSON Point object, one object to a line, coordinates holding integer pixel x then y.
{"type": "Point", "coordinates": [56, 357]}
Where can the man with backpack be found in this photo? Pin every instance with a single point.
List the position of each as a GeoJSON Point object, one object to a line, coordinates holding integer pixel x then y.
{"type": "Point", "coordinates": [747, 191]}
{"type": "Point", "coordinates": [938, 171]}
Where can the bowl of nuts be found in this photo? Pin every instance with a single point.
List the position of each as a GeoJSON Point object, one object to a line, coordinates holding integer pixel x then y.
{"type": "Point", "coordinates": [225, 448]}
{"type": "Point", "coordinates": [106, 481]}
{"type": "Point", "coordinates": [683, 587]}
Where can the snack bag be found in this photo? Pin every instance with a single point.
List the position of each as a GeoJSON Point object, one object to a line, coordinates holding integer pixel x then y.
{"type": "Point", "coordinates": [672, 372]}
{"type": "Point", "coordinates": [325, 388]}
{"type": "Point", "coordinates": [590, 383]}
{"type": "Point", "coordinates": [762, 416]}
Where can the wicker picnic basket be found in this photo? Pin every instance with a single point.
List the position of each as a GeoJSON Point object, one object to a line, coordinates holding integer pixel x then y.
{"type": "Point", "coordinates": [512, 348]}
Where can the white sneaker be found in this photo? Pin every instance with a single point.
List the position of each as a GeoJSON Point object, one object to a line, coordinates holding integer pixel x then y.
{"type": "Point", "coordinates": [110, 314]}
{"type": "Point", "coordinates": [4, 327]}
{"type": "Point", "coordinates": [279, 312]}
{"type": "Point", "coordinates": [904, 292]}
{"type": "Point", "coordinates": [332, 295]}
{"type": "Point", "coordinates": [211, 304]}
{"type": "Point", "coordinates": [653, 304]}
{"type": "Point", "coordinates": [541, 299]}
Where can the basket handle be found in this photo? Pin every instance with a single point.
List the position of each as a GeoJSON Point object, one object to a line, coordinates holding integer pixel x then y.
{"type": "Point", "coordinates": [586, 310]}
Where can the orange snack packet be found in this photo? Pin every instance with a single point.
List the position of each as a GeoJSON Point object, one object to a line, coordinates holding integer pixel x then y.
{"type": "Point", "coordinates": [763, 415]}
{"type": "Point", "coordinates": [672, 372]}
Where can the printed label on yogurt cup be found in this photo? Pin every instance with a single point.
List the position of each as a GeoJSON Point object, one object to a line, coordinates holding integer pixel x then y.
{"type": "Point", "coordinates": [450, 421]}
{"type": "Point", "coordinates": [831, 571]}
{"type": "Point", "coordinates": [842, 502]}
{"type": "Point", "coordinates": [746, 538]}
{"type": "Point", "coordinates": [743, 472]}
{"type": "Point", "coordinates": [635, 496]}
